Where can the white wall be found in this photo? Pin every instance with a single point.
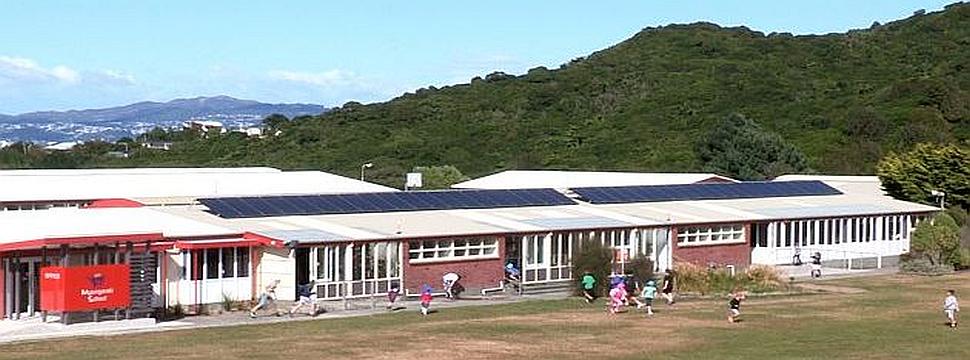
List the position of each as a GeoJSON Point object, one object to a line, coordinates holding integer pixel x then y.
{"type": "Point", "coordinates": [277, 264]}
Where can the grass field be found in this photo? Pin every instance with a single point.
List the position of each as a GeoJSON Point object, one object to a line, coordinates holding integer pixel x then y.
{"type": "Point", "coordinates": [887, 317]}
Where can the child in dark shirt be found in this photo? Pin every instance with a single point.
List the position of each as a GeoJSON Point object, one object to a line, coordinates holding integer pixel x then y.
{"type": "Point", "coordinates": [734, 306]}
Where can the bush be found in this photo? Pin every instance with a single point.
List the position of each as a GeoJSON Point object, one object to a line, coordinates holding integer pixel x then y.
{"type": "Point", "coordinates": [923, 266]}
{"type": "Point", "coordinates": [596, 259]}
{"type": "Point", "coordinates": [701, 280]}
{"type": "Point", "coordinates": [963, 261]}
{"type": "Point", "coordinates": [641, 267]}
{"type": "Point", "coordinates": [763, 278]}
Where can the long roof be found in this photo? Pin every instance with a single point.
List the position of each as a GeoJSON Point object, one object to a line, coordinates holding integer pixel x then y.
{"type": "Point", "coordinates": [524, 179]}
{"type": "Point", "coordinates": [857, 199]}
{"type": "Point", "coordinates": [170, 185]}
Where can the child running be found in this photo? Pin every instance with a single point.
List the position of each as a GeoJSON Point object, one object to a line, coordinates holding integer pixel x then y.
{"type": "Point", "coordinates": [951, 307]}
{"type": "Point", "coordinates": [589, 283]}
{"type": "Point", "coordinates": [649, 293]}
{"type": "Point", "coordinates": [734, 306]}
{"type": "Point", "coordinates": [392, 292]}
{"type": "Point", "coordinates": [668, 288]}
{"type": "Point", "coordinates": [617, 296]}
{"type": "Point", "coordinates": [426, 299]}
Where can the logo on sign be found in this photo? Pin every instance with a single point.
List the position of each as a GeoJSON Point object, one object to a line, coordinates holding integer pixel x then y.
{"type": "Point", "coordinates": [98, 291]}
{"type": "Point", "coordinates": [97, 280]}
{"type": "Point", "coordinates": [52, 275]}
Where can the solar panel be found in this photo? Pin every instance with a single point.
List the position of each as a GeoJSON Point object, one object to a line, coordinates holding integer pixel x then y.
{"type": "Point", "coordinates": [744, 190]}
{"type": "Point", "coordinates": [263, 206]}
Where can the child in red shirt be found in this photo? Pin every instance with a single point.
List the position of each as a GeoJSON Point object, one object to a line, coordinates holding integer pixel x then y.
{"type": "Point", "coordinates": [426, 300]}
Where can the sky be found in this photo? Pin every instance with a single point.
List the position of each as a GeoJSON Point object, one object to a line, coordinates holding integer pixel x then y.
{"type": "Point", "coordinates": [73, 54]}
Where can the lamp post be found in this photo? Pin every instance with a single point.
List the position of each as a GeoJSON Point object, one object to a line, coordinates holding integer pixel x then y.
{"type": "Point", "coordinates": [364, 166]}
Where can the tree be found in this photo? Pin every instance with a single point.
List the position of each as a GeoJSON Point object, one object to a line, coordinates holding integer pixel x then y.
{"type": "Point", "coordinates": [440, 177]}
{"type": "Point", "coordinates": [938, 240]}
{"type": "Point", "coordinates": [595, 258]}
{"type": "Point", "coordinates": [738, 147]}
{"type": "Point", "coordinates": [915, 174]}
{"type": "Point", "coordinates": [273, 123]}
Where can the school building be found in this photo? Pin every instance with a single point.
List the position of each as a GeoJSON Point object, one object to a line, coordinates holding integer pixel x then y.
{"type": "Point", "coordinates": [134, 240]}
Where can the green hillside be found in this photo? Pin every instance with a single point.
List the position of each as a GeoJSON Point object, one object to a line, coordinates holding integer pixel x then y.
{"type": "Point", "coordinates": [843, 100]}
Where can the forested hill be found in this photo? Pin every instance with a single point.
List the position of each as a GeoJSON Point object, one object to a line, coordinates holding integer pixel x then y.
{"type": "Point", "coordinates": [649, 103]}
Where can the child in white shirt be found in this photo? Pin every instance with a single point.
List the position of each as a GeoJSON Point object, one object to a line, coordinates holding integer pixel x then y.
{"type": "Point", "coordinates": [951, 307]}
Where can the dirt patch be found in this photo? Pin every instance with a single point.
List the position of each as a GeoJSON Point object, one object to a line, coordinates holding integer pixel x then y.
{"type": "Point", "coordinates": [831, 288]}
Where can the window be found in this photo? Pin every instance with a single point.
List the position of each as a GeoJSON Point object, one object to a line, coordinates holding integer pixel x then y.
{"type": "Point", "coordinates": [228, 262]}
{"type": "Point", "coordinates": [242, 262]}
{"type": "Point", "coordinates": [423, 251]}
{"type": "Point", "coordinates": [707, 235]}
{"type": "Point", "coordinates": [212, 263]}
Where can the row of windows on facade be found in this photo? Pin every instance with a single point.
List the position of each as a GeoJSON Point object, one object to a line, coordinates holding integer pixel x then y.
{"type": "Point", "coordinates": [834, 231]}
{"type": "Point", "coordinates": [222, 263]}
{"type": "Point", "coordinates": [700, 235]}
{"type": "Point", "coordinates": [374, 260]}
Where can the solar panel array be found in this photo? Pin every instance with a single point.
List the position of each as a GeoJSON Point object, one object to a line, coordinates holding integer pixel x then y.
{"type": "Point", "coordinates": [743, 190]}
{"type": "Point", "coordinates": [264, 206]}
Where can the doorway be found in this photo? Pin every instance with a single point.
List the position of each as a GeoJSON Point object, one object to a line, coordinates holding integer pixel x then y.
{"type": "Point", "coordinates": [22, 279]}
{"type": "Point", "coordinates": [302, 268]}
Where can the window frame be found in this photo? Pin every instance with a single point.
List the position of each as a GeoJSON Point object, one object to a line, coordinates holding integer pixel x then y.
{"type": "Point", "coordinates": [452, 247]}
{"type": "Point", "coordinates": [706, 235]}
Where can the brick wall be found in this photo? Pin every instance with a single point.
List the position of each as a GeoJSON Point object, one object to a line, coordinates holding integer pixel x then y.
{"type": "Point", "coordinates": [737, 254]}
{"type": "Point", "coordinates": [475, 274]}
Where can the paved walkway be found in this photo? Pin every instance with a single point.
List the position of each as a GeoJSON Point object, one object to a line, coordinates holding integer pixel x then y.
{"type": "Point", "coordinates": [804, 272]}
{"type": "Point", "coordinates": [33, 329]}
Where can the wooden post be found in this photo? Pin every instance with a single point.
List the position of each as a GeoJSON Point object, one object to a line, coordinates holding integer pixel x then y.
{"type": "Point", "coordinates": [128, 250]}
{"type": "Point", "coordinates": [97, 261]}
{"type": "Point", "coordinates": [64, 261]}
{"type": "Point", "coordinates": [117, 260]}
{"type": "Point", "coordinates": [16, 286]}
{"type": "Point", "coordinates": [43, 263]}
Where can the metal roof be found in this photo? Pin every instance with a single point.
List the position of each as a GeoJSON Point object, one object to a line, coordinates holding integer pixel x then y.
{"type": "Point", "coordinates": [524, 179]}
{"type": "Point", "coordinates": [160, 186]}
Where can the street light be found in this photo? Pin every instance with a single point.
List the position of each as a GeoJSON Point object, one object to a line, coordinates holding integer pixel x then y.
{"type": "Point", "coordinates": [940, 195]}
{"type": "Point", "coordinates": [364, 166]}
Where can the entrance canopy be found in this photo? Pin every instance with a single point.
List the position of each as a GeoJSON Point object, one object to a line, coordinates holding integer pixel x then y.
{"type": "Point", "coordinates": [27, 230]}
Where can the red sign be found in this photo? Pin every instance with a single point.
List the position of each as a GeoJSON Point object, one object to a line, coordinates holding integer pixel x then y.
{"type": "Point", "coordinates": [85, 287]}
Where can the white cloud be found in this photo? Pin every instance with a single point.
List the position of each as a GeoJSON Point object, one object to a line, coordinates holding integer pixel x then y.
{"type": "Point", "coordinates": [17, 69]}
{"type": "Point", "coordinates": [327, 78]}
{"type": "Point", "coordinates": [112, 77]}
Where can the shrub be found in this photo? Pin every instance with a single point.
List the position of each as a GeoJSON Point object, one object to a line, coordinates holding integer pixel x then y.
{"type": "Point", "coordinates": [923, 266]}
{"type": "Point", "coordinates": [963, 259]}
{"type": "Point", "coordinates": [763, 278]}
{"type": "Point", "coordinates": [596, 259]}
{"type": "Point", "coordinates": [698, 279]}
{"type": "Point", "coordinates": [228, 303]}
{"type": "Point", "coordinates": [641, 267]}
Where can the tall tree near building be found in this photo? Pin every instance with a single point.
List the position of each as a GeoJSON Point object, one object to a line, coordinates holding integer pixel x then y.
{"type": "Point", "coordinates": [738, 147]}
{"type": "Point", "coordinates": [915, 174]}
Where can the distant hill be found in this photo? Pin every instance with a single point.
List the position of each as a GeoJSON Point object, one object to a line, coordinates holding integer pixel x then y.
{"type": "Point", "coordinates": [646, 104]}
{"type": "Point", "coordinates": [114, 122]}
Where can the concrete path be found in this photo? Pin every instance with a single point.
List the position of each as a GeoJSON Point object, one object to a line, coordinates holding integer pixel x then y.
{"type": "Point", "coordinates": [33, 329]}
{"type": "Point", "coordinates": [804, 272]}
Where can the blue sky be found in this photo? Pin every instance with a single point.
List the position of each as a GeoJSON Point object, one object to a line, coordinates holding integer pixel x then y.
{"type": "Point", "coordinates": [57, 55]}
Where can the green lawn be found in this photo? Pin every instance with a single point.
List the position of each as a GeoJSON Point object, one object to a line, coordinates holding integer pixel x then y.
{"type": "Point", "coordinates": [897, 317]}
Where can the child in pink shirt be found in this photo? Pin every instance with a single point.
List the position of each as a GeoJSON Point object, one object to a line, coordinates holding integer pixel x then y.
{"type": "Point", "coordinates": [617, 295]}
